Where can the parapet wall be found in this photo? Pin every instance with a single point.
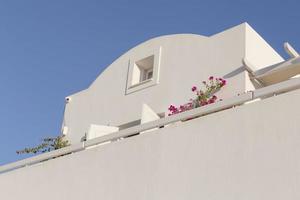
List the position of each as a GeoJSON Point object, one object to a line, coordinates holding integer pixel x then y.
{"type": "Point", "coordinates": [247, 152]}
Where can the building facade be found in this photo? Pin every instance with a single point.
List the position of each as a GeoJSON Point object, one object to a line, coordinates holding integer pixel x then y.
{"type": "Point", "coordinates": [125, 146]}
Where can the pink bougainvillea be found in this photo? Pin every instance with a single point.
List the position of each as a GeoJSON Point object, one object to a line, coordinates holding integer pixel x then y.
{"type": "Point", "coordinates": [203, 97]}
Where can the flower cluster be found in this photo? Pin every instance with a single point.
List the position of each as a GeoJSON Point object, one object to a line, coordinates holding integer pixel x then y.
{"type": "Point", "coordinates": [174, 110]}
{"type": "Point", "coordinates": [203, 97]}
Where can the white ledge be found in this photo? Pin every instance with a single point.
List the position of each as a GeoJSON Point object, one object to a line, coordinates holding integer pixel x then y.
{"type": "Point", "coordinates": [141, 83]}
{"type": "Point", "coordinates": [42, 157]}
{"type": "Point", "coordinates": [277, 88]}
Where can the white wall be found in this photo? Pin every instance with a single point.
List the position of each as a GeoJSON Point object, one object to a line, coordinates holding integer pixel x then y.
{"type": "Point", "coordinates": [186, 60]}
{"type": "Point", "coordinates": [258, 51]}
{"type": "Point", "coordinates": [249, 152]}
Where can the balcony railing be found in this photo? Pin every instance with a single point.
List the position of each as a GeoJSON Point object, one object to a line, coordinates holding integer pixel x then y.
{"type": "Point", "coordinates": [265, 92]}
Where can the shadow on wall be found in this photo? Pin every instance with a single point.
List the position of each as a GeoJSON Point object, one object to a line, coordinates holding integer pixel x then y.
{"type": "Point", "coordinates": [234, 72]}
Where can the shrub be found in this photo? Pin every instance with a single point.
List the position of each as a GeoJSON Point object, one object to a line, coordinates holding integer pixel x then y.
{"type": "Point", "coordinates": [47, 145]}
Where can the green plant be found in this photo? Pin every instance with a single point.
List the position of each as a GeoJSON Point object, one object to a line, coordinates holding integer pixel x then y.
{"type": "Point", "coordinates": [48, 144]}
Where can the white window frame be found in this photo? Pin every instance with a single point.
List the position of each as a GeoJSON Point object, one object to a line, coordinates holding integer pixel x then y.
{"type": "Point", "coordinates": [144, 82]}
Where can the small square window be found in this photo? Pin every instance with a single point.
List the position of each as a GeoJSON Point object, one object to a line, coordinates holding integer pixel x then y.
{"type": "Point", "coordinates": [143, 72]}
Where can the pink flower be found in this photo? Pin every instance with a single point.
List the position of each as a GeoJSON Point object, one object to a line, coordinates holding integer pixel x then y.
{"type": "Point", "coordinates": [223, 82]}
{"type": "Point", "coordinates": [171, 108]}
{"type": "Point", "coordinates": [182, 108]}
{"type": "Point", "coordinates": [194, 88]}
{"type": "Point", "coordinates": [211, 101]}
{"type": "Point", "coordinates": [203, 97]}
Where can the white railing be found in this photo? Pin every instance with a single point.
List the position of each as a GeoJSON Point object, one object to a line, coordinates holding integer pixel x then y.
{"type": "Point", "coordinates": [265, 92]}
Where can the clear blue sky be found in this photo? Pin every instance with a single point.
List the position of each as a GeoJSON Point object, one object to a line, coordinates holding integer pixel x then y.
{"type": "Point", "coordinates": [50, 49]}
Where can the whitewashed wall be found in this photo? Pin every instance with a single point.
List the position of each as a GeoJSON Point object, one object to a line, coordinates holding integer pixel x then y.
{"type": "Point", "coordinates": [249, 152]}
{"type": "Point", "coordinates": [186, 60]}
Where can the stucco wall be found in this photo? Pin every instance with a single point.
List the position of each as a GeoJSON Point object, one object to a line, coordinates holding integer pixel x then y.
{"type": "Point", "coordinates": [249, 152]}
{"type": "Point", "coordinates": [258, 51]}
{"type": "Point", "coordinates": [186, 60]}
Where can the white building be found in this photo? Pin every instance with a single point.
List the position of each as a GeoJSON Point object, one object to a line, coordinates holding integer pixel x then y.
{"type": "Point", "coordinates": [244, 147]}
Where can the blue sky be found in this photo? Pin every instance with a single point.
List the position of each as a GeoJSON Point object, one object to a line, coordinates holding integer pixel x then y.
{"type": "Point", "coordinates": [50, 49]}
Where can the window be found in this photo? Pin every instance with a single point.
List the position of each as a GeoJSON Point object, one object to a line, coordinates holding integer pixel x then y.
{"type": "Point", "coordinates": [149, 74]}
{"type": "Point", "coordinates": [143, 71]}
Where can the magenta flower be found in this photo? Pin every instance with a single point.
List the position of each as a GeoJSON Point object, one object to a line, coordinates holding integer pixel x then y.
{"type": "Point", "coordinates": [203, 97]}
{"type": "Point", "coordinates": [181, 107]}
{"type": "Point", "coordinates": [171, 108]}
{"type": "Point", "coordinates": [223, 82]}
{"type": "Point", "coordinates": [194, 88]}
{"type": "Point", "coordinates": [211, 101]}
